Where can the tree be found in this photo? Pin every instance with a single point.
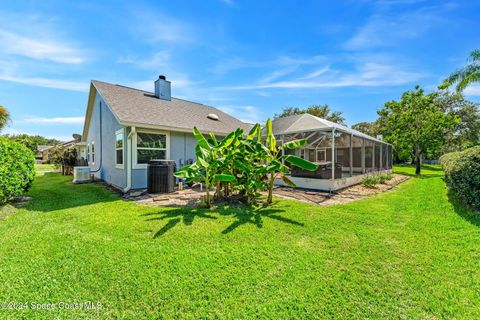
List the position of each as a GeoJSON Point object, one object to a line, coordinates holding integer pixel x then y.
{"type": "Point", "coordinates": [416, 123]}
{"type": "Point", "coordinates": [466, 133]}
{"type": "Point", "coordinates": [370, 128]}
{"type": "Point", "coordinates": [32, 142]}
{"type": "Point", "coordinates": [466, 75]}
{"type": "Point", "coordinates": [321, 111]}
{"type": "Point", "coordinates": [4, 117]}
{"type": "Point", "coordinates": [64, 157]}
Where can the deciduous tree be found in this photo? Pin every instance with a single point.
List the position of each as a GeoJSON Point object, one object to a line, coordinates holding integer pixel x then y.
{"type": "Point", "coordinates": [416, 123]}
{"type": "Point", "coordinates": [321, 111]}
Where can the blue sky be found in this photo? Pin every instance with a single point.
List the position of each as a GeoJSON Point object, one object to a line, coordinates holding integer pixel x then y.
{"type": "Point", "coordinates": [249, 58]}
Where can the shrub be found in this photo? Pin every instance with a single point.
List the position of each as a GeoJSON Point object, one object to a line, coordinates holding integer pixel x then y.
{"type": "Point", "coordinates": [462, 175]}
{"type": "Point", "coordinates": [374, 179]}
{"type": "Point", "coordinates": [16, 169]}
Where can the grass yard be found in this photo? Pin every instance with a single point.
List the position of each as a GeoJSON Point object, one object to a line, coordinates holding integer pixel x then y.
{"type": "Point", "coordinates": [409, 253]}
{"type": "Point", "coordinates": [43, 167]}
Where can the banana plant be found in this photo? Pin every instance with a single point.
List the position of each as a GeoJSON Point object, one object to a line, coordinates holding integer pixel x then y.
{"type": "Point", "coordinates": [208, 166]}
{"type": "Point", "coordinates": [275, 155]}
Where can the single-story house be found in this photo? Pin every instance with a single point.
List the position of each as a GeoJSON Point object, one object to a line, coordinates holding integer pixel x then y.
{"type": "Point", "coordinates": [125, 128]}
{"type": "Point", "coordinates": [43, 153]}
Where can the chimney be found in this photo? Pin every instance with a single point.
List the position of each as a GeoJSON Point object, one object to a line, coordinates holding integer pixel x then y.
{"type": "Point", "coordinates": [163, 88]}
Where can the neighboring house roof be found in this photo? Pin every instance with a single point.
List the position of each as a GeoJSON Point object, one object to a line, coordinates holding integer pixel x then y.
{"type": "Point", "coordinates": [62, 144]}
{"type": "Point", "coordinates": [40, 148]}
{"type": "Point", "coordinates": [134, 107]}
{"type": "Point", "coordinates": [307, 122]}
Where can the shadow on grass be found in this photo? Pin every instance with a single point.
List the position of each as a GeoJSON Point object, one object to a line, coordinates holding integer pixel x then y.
{"type": "Point", "coordinates": [463, 211]}
{"type": "Point", "coordinates": [243, 215]}
{"type": "Point", "coordinates": [52, 191]}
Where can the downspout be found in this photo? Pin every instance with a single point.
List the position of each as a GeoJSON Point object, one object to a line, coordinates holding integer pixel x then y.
{"type": "Point", "coordinates": [351, 155]}
{"type": "Point", "coordinates": [129, 159]}
{"type": "Point", "coordinates": [100, 140]}
{"type": "Point", "coordinates": [333, 154]}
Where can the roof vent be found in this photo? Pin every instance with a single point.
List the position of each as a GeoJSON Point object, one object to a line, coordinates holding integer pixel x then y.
{"type": "Point", "coordinates": [212, 116]}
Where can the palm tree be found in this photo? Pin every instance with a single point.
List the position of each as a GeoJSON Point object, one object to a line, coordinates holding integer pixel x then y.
{"type": "Point", "coordinates": [4, 117]}
{"type": "Point", "coordinates": [465, 76]}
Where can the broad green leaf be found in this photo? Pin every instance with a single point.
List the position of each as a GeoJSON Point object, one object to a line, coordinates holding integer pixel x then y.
{"type": "Point", "coordinates": [224, 177]}
{"type": "Point", "coordinates": [294, 144]}
{"type": "Point", "coordinates": [201, 139]}
{"type": "Point", "coordinates": [253, 132]}
{"type": "Point", "coordinates": [288, 182]}
{"type": "Point", "coordinates": [271, 141]}
{"type": "Point", "coordinates": [213, 139]}
{"type": "Point", "coordinates": [228, 140]}
{"type": "Point", "coordinates": [203, 163]}
{"type": "Point", "coordinates": [301, 163]}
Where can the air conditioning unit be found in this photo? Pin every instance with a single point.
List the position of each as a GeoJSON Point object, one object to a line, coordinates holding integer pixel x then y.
{"type": "Point", "coordinates": [81, 174]}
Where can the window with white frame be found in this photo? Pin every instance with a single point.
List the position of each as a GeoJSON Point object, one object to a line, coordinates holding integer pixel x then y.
{"type": "Point", "coordinates": [87, 156]}
{"type": "Point", "coordinates": [92, 152]}
{"type": "Point", "coordinates": [321, 155]}
{"type": "Point", "coordinates": [119, 141]}
{"type": "Point", "coordinates": [150, 146]}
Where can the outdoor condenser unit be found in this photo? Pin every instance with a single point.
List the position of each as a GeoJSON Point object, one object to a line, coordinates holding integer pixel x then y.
{"type": "Point", "coordinates": [81, 174]}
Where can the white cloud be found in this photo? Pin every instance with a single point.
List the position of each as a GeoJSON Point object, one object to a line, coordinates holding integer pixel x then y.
{"type": "Point", "coordinates": [228, 2]}
{"type": "Point", "coordinates": [156, 27]}
{"type": "Point", "coordinates": [56, 120]}
{"type": "Point", "coordinates": [366, 74]}
{"type": "Point", "coordinates": [48, 83]}
{"type": "Point", "coordinates": [317, 73]}
{"type": "Point", "coordinates": [40, 48]}
{"type": "Point", "coordinates": [248, 114]}
{"type": "Point", "coordinates": [473, 90]}
{"type": "Point", "coordinates": [387, 27]}
{"type": "Point", "coordinates": [160, 59]}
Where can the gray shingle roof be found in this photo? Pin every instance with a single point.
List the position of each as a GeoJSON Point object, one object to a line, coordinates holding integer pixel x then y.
{"type": "Point", "coordinates": [139, 107]}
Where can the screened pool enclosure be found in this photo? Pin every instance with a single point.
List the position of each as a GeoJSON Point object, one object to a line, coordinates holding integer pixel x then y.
{"type": "Point", "coordinates": [343, 155]}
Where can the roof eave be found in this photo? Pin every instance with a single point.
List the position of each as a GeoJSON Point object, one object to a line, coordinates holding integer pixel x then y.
{"type": "Point", "coordinates": [168, 128]}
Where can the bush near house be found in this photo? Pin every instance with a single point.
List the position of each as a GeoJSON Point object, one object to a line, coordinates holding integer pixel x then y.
{"type": "Point", "coordinates": [462, 174]}
{"type": "Point", "coordinates": [64, 158]}
{"type": "Point", "coordinates": [16, 169]}
{"type": "Point", "coordinates": [242, 163]}
{"type": "Point", "coordinates": [374, 179]}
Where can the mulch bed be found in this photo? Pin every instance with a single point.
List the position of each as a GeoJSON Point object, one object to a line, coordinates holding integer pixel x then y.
{"type": "Point", "coordinates": [191, 197]}
{"type": "Point", "coordinates": [352, 193]}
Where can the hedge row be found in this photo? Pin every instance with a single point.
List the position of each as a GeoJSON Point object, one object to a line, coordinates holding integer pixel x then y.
{"type": "Point", "coordinates": [462, 174]}
{"type": "Point", "coordinates": [17, 169]}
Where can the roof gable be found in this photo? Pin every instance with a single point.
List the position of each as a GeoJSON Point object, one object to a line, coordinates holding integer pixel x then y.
{"type": "Point", "coordinates": [141, 108]}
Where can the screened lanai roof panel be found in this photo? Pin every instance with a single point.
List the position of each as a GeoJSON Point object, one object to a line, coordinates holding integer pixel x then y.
{"type": "Point", "coordinates": [307, 122]}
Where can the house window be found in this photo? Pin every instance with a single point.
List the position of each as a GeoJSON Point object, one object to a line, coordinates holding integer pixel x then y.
{"type": "Point", "coordinates": [321, 155]}
{"type": "Point", "coordinates": [150, 146]}
{"type": "Point", "coordinates": [92, 152]}
{"type": "Point", "coordinates": [87, 157]}
{"type": "Point", "coordinates": [119, 148]}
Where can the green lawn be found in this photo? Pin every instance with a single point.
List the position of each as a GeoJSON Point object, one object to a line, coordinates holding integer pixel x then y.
{"type": "Point", "coordinates": [407, 253]}
{"type": "Point", "coordinates": [43, 167]}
